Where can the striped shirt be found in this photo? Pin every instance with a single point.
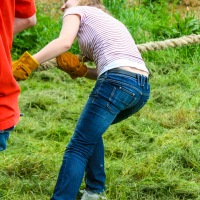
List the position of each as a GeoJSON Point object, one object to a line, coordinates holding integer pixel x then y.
{"type": "Point", "coordinates": [105, 40]}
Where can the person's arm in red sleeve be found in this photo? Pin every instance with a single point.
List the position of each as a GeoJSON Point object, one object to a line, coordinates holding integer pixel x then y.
{"type": "Point", "coordinates": [25, 15]}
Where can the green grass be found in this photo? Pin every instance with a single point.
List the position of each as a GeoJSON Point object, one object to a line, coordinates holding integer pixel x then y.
{"type": "Point", "coordinates": [153, 155]}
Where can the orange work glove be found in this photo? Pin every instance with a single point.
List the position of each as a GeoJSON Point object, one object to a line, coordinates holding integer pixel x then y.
{"type": "Point", "coordinates": [70, 63]}
{"type": "Point", "coordinates": [23, 67]}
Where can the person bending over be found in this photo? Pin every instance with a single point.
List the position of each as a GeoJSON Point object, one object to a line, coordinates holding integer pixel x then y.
{"type": "Point", "coordinates": [122, 88]}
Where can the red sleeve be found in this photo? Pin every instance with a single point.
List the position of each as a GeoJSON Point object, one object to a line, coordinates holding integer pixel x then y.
{"type": "Point", "coordinates": [24, 8]}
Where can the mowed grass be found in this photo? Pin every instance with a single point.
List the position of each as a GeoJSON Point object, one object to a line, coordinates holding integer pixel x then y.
{"type": "Point", "coordinates": [153, 155]}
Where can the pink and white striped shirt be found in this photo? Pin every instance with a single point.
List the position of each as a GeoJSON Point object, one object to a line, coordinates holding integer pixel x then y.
{"type": "Point", "coordinates": [105, 40]}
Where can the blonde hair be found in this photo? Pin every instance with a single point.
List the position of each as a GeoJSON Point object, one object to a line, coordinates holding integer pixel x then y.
{"type": "Point", "coordinates": [94, 3]}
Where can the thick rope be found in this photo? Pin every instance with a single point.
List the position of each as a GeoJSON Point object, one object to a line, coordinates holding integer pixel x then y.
{"type": "Point", "coordinates": [47, 65]}
{"type": "Point", "coordinates": [150, 46]}
{"type": "Point", "coordinates": [185, 40]}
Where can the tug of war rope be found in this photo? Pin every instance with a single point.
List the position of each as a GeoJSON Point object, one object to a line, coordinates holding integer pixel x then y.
{"type": "Point", "coordinates": [150, 46]}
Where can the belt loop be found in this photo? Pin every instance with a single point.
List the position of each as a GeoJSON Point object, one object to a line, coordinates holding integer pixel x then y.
{"type": "Point", "coordinates": [106, 74]}
{"type": "Point", "coordinates": [142, 80]}
{"type": "Point", "coordinates": [138, 78]}
{"type": "Point", "coordinates": [147, 82]}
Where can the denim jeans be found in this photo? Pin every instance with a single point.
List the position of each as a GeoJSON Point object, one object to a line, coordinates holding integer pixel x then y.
{"type": "Point", "coordinates": [115, 97]}
{"type": "Point", "coordinates": [4, 135]}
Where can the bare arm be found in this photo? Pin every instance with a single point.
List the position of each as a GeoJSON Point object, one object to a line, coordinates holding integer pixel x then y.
{"type": "Point", "coordinates": [21, 24]}
{"type": "Point", "coordinates": [63, 43]}
{"type": "Point", "coordinates": [91, 74]}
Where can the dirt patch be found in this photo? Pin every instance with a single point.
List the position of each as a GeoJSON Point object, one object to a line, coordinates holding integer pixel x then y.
{"type": "Point", "coordinates": [194, 10]}
{"type": "Point", "coordinates": [49, 1]}
{"type": "Point", "coordinates": [192, 3]}
{"type": "Point", "coordinates": [186, 7]}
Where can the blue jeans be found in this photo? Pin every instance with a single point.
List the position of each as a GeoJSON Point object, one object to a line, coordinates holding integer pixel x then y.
{"type": "Point", "coordinates": [4, 135]}
{"type": "Point", "coordinates": [115, 97]}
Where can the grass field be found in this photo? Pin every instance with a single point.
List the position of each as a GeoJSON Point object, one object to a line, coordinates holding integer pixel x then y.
{"type": "Point", "coordinates": [154, 155]}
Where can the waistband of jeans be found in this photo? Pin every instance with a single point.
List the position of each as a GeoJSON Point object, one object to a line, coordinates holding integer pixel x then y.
{"type": "Point", "coordinates": [125, 72]}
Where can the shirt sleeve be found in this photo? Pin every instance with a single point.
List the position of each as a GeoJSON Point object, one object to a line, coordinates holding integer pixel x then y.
{"type": "Point", "coordinates": [78, 10]}
{"type": "Point", "coordinates": [24, 8]}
